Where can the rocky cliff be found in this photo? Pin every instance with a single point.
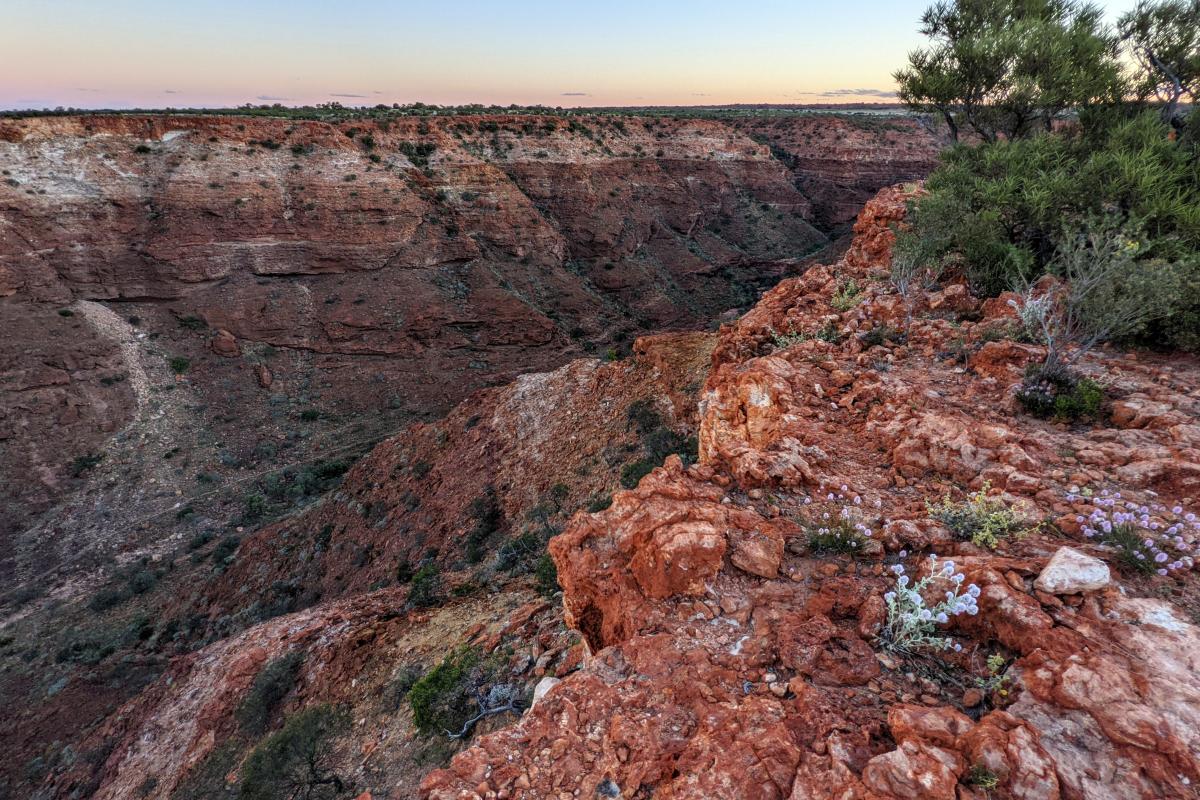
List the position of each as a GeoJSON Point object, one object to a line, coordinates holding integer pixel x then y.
{"type": "Point", "coordinates": [217, 317]}
{"type": "Point", "coordinates": [360, 275]}
{"type": "Point", "coordinates": [737, 651]}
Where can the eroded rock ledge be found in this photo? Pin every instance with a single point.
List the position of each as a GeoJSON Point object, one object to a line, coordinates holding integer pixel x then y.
{"type": "Point", "coordinates": [729, 661]}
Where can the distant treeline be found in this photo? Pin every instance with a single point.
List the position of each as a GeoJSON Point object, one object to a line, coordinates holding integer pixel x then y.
{"type": "Point", "coordinates": [336, 112]}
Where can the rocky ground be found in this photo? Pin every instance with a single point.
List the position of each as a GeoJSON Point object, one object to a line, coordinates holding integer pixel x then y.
{"type": "Point", "coordinates": [730, 658]}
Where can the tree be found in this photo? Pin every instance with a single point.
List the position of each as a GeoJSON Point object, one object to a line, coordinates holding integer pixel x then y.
{"type": "Point", "coordinates": [1164, 39]}
{"type": "Point", "coordinates": [293, 763]}
{"type": "Point", "coordinates": [1008, 68]}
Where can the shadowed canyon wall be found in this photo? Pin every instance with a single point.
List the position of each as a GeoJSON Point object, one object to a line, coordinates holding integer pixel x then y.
{"type": "Point", "coordinates": [200, 286]}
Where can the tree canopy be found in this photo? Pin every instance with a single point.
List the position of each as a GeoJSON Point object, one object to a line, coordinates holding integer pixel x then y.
{"type": "Point", "coordinates": [1164, 40]}
{"type": "Point", "coordinates": [1008, 68]}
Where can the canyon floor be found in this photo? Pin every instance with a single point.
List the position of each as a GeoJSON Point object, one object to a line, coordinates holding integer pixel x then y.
{"type": "Point", "coordinates": [265, 461]}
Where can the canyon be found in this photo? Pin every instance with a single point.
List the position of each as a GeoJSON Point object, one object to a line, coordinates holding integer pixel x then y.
{"type": "Point", "coordinates": [250, 292]}
{"type": "Point", "coordinates": [210, 319]}
{"type": "Point", "coordinates": [627, 542]}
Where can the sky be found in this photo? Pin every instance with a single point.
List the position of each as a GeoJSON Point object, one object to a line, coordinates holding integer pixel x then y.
{"type": "Point", "coordinates": [186, 53]}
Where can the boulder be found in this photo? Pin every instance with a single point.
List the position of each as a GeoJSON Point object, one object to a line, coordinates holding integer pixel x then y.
{"type": "Point", "coordinates": [225, 344]}
{"type": "Point", "coordinates": [543, 686]}
{"type": "Point", "coordinates": [1070, 572]}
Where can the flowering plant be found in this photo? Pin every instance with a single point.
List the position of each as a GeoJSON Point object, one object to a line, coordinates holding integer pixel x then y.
{"type": "Point", "coordinates": [912, 622]}
{"type": "Point", "coordinates": [1148, 538]}
{"type": "Point", "coordinates": [835, 523]}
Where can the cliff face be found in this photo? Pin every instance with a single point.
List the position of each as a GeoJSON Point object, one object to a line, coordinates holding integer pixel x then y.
{"type": "Point", "coordinates": [731, 658]}
{"type": "Point", "coordinates": [839, 163]}
{"type": "Point", "coordinates": [366, 273]}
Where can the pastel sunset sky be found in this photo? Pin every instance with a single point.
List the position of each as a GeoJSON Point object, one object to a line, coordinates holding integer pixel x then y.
{"type": "Point", "coordinates": [158, 53]}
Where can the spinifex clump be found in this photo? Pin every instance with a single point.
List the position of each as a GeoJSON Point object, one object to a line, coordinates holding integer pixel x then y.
{"type": "Point", "coordinates": [1147, 538]}
{"type": "Point", "coordinates": [835, 523]}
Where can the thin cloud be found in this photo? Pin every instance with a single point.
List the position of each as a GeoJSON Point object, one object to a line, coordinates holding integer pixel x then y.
{"type": "Point", "coordinates": [854, 93]}
{"type": "Point", "coordinates": [270, 98]}
{"type": "Point", "coordinates": [576, 94]}
{"type": "Point", "coordinates": [85, 89]}
{"type": "Point", "coordinates": [345, 94]}
{"type": "Point", "coordinates": [170, 91]}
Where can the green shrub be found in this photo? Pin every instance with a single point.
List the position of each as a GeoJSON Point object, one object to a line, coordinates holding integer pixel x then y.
{"type": "Point", "coordinates": [546, 573]}
{"type": "Point", "coordinates": [83, 463]}
{"type": "Point", "coordinates": [295, 761]}
{"type": "Point", "coordinates": [225, 550]}
{"type": "Point", "coordinates": [829, 333]}
{"type": "Point", "coordinates": [519, 554]}
{"type": "Point", "coordinates": [90, 649]}
{"type": "Point", "coordinates": [1129, 542]}
{"type": "Point", "coordinates": [633, 472]}
{"type": "Point", "coordinates": [880, 335]}
{"type": "Point", "coordinates": [489, 518]}
{"type": "Point", "coordinates": [847, 296]}
{"type": "Point", "coordinates": [982, 777]}
{"type": "Point", "coordinates": [108, 597]}
{"type": "Point", "coordinates": [254, 507]}
{"type": "Point", "coordinates": [141, 581]}
{"type": "Point", "coordinates": [997, 210]}
{"type": "Point", "coordinates": [270, 686]}
{"type": "Point", "coordinates": [599, 503]}
{"type": "Point", "coordinates": [418, 153]}
{"type": "Point", "coordinates": [643, 415]}
{"type": "Point", "coordinates": [1060, 395]}
{"type": "Point", "coordinates": [782, 341]}
{"type": "Point", "coordinates": [179, 364]}
{"type": "Point", "coordinates": [658, 441]}
{"type": "Point", "coordinates": [199, 540]}
{"type": "Point", "coordinates": [441, 699]}
{"type": "Point", "coordinates": [278, 491]}
{"type": "Point", "coordinates": [425, 590]}
{"type": "Point", "coordinates": [984, 520]}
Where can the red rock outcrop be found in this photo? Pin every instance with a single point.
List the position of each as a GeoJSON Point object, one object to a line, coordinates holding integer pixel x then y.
{"type": "Point", "coordinates": [718, 677]}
